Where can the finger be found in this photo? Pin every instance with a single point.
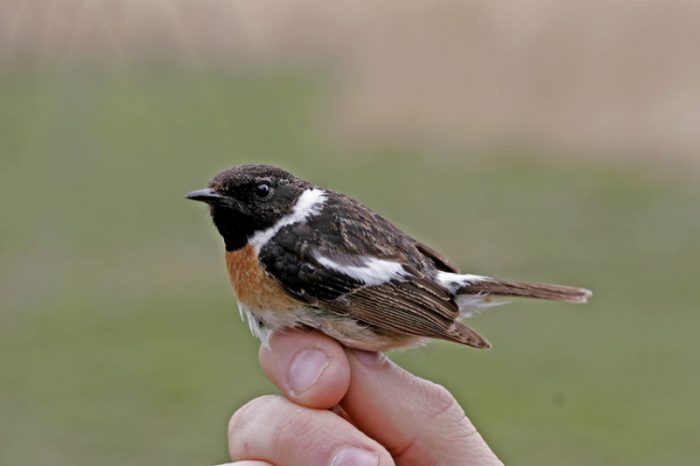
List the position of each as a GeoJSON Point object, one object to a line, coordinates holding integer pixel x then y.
{"type": "Point", "coordinates": [418, 421]}
{"type": "Point", "coordinates": [248, 463]}
{"type": "Point", "coordinates": [310, 368]}
{"type": "Point", "coordinates": [272, 428]}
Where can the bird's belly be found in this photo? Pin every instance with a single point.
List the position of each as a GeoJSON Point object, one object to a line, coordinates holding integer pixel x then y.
{"type": "Point", "coordinates": [347, 330]}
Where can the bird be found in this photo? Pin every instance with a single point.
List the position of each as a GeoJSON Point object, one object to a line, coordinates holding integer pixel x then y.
{"type": "Point", "coordinates": [302, 256]}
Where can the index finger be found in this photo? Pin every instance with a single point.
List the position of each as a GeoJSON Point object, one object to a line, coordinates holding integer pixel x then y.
{"type": "Point", "coordinates": [418, 421]}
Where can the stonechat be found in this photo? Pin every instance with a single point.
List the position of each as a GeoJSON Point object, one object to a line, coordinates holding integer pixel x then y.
{"type": "Point", "coordinates": [299, 255]}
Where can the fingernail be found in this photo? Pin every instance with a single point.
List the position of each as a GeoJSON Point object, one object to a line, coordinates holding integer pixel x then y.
{"type": "Point", "coordinates": [351, 456]}
{"type": "Point", "coordinates": [306, 368]}
{"type": "Point", "coordinates": [369, 358]}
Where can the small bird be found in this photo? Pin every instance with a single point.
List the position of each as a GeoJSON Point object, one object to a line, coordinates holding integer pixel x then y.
{"type": "Point", "coordinates": [299, 255]}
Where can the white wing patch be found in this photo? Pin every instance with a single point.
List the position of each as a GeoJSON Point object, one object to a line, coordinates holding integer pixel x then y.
{"type": "Point", "coordinates": [454, 281]}
{"type": "Point", "coordinates": [309, 203]}
{"type": "Point", "coordinates": [370, 271]}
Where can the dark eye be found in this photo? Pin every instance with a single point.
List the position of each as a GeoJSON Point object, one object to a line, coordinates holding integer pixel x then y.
{"type": "Point", "coordinates": [262, 190]}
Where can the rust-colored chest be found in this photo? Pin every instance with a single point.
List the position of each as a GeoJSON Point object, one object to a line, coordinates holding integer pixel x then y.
{"type": "Point", "coordinates": [254, 288]}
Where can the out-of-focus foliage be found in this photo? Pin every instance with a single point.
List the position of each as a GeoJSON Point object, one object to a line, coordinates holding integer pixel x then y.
{"type": "Point", "coordinates": [605, 77]}
{"type": "Point", "coordinates": [120, 341]}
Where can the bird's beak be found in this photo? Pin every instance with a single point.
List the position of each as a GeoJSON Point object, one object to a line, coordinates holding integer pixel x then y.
{"type": "Point", "coordinates": [209, 196]}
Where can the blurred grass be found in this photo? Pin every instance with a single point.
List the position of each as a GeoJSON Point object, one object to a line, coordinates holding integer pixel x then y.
{"type": "Point", "coordinates": [119, 338]}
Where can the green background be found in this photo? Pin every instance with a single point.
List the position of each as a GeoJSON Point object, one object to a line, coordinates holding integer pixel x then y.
{"type": "Point", "coordinates": [120, 342]}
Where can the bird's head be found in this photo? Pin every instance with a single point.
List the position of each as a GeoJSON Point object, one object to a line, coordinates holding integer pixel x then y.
{"type": "Point", "coordinates": [247, 199]}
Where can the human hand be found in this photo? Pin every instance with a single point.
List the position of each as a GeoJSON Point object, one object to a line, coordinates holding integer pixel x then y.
{"type": "Point", "coordinates": [390, 417]}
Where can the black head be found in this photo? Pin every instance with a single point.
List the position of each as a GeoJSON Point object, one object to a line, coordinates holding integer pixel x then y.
{"type": "Point", "coordinates": [249, 198]}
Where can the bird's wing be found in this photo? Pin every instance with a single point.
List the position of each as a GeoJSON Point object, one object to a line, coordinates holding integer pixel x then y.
{"type": "Point", "coordinates": [439, 261]}
{"type": "Point", "coordinates": [371, 272]}
{"type": "Point", "coordinates": [309, 257]}
{"type": "Point", "coordinates": [408, 308]}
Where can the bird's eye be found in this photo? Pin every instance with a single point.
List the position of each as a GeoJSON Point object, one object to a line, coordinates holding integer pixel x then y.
{"type": "Point", "coordinates": [262, 190]}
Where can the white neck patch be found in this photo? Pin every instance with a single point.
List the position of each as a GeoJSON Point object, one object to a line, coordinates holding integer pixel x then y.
{"type": "Point", "coordinates": [309, 203]}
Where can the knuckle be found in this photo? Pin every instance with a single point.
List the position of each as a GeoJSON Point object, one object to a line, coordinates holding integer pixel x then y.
{"type": "Point", "coordinates": [296, 428]}
{"type": "Point", "coordinates": [442, 397]}
{"type": "Point", "coordinates": [447, 413]}
{"type": "Point", "coordinates": [287, 428]}
{"type": "Point", "coordinates": [440, 403]}
{"type": "Point", "coordinates": [248, 413]}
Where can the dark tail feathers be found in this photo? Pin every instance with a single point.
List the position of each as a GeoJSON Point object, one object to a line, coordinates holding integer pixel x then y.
{"type": "Point", "coordinates": [495, 287]}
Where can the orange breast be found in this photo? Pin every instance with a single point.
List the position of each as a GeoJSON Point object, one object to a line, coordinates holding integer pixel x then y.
{"type": "Point", "coordinates": [253, 287]}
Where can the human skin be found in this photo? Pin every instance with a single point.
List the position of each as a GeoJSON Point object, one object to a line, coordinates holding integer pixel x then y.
{"type": "Point", "coordinates": [388, 416]}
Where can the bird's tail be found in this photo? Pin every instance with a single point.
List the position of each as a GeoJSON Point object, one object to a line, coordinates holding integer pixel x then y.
{"type": "Point", "coordinates": [475, 293]}
{"type": "Point", "coordinates": [494, 287]}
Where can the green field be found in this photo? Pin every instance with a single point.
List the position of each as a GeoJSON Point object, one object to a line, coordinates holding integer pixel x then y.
{"type": "Point", "coordinates": [120, 342]}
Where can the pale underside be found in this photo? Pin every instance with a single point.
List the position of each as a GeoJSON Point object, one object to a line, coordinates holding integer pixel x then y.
{"type": "Point", "coordinates": [347, 330]}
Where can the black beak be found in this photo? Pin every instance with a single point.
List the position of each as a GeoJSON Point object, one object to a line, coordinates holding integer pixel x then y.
{"type": "Point", "coordinates": [209, 196]}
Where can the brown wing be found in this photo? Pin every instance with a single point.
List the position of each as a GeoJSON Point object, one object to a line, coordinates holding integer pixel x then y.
{"type": "Point", "coordinates": [348, 234]}
{"type": "Point", "coordinates": [414, 307]}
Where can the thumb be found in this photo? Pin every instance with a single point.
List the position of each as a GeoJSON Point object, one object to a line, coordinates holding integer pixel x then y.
{"type": "Point", "coordinates": [418, 421]}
